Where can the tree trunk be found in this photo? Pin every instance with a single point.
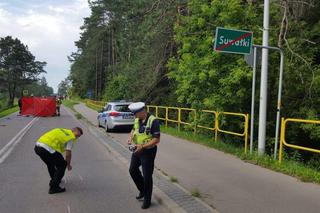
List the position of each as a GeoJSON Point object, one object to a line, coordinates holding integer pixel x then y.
{"type": "Point", "coordinates": [11, 91]}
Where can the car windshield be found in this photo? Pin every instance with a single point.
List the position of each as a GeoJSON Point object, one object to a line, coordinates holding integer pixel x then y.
{"type": "Point", "coordinates": [122, 108]}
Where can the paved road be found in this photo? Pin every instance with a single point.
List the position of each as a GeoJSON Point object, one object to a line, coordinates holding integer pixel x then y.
{"type": "Point", "coordinates": [227, 183]}
{"type": "Point", "coordinates": [10, 126]}
{"type": "Point", "coordinates": [97, 183]}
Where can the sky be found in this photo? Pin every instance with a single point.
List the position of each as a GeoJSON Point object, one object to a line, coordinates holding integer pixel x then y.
{"type": "Point", "coordinates": [48, 27]}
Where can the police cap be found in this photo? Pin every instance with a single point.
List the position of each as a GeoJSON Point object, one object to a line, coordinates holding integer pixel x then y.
{"type": "Point", "coordinates": [137, 107]}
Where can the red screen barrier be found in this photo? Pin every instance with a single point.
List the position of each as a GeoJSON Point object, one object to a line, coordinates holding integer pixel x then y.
{"type": "Point", "coordinates": [38, 106]}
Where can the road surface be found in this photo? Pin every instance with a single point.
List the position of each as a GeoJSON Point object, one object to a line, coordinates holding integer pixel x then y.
{"type": "Point", "coordinates": [224, 181]}
{"type": "Point", "coordinates": [97, 183]}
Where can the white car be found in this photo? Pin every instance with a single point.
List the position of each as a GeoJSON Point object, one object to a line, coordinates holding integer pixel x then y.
{"type": "Point", "coordinates": [116, 115]}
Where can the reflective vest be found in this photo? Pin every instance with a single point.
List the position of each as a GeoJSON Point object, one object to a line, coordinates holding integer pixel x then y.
{"type": "Point", "coordinates": [145, 136]}
{"type": "Point", "coordinates": [58, 102]}
{"type": "Point", "coordinates": [58, 138]}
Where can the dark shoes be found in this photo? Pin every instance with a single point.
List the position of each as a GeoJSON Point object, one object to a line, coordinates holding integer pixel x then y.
{"type": "Point", "coordinates": [146, 204]}
{"type": "Point", "coordinates": [55, 190]}
{"type": "Point", "coordinates": [140, 196]}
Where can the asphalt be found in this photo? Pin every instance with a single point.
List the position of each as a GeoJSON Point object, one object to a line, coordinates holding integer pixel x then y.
{"type": "Point", "coordinates": [224, 181]}
{"type": "Point", "coordinates": [10, 126]}
{"type": "Point", "coordinates": [97, 183]}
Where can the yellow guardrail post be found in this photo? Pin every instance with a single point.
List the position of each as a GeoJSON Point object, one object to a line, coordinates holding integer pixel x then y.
{"type": "Point", "coordinates": [246, 133]}
{"type": "Point", "coordinates": [283, 136]}
{"type": "Point", "coordinates": [195, 122]}
{"type": "Point", "coordinates": [156, 111]}
{"type": "Point", "coordinates": [179, 119]}
{"type": "Point", "coordinates": [217, 127]}
{"type": "Point", "coordinates": [282, 133]}
{"type": "Point", "coordinates": [166, 116]}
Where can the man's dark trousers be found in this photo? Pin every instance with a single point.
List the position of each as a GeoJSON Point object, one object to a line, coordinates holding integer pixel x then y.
{"type": "Point", "coordinates": [56, 165]}
{"type": "Point", "coordinates": [146, 160]}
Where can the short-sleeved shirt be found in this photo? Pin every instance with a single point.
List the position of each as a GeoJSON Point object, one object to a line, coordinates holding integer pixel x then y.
{"type": "Point", "coordinates": [155, 127]}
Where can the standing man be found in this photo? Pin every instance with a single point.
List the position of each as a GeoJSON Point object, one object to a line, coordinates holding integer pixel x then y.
{"type": "Point", "coordinates": [145, 136]}
{"type": "Point", "coordinates": [50, 148]}
{"type": "Point", "coordinates": [20, 105]}
{"type": "Point", "coordinates": [58, 104]}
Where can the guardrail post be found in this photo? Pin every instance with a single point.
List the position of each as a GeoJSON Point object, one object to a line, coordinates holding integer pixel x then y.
{"type": "Point", "coordinates": [157, 112]}
{"type": "Point", "coordinates": [246, 125]}
{"type": "Point", "coordinates": [216, 127]}
{"type": "Point", "coordinates": [282, 134]}
{"type": "Point", "coordinates": [167, 117]}
{"type": "Point", "coordinates": [179, 119]}
{"type": "Point", "coordinates": [195, 121]}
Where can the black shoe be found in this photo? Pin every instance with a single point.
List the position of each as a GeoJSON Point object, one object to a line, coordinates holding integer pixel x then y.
{"type": "Point", "coordinates": [56, 190]}
{"type": "Point", "coordinates": [140, 196]}
{"type": "Point", "coordinates": [146, 204]}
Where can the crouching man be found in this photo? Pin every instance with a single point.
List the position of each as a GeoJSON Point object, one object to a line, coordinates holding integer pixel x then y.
{"type": "Point", "coordinates": [50, 148]}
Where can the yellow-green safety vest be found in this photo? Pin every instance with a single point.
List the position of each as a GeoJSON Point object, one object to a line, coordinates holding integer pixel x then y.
{"type": "Point", "coordinates": [58, 138]}
{"type": "Point", "coordinates": [146, 136]}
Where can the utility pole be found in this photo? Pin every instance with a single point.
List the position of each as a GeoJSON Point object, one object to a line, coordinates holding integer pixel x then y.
{"type": "Point", "coordinates": [102, 68]}
{"type": "Point", "coordinates": [264, 82]}
{"type": "Point", "coordinates": [96, 73]}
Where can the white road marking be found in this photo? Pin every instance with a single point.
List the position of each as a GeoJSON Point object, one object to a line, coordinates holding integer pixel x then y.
{"type": "Point", "coordinates": [69, 209]}
{"type": "Point", "coordinates": [8, 148]}
{"type": "Point", "coordinates": [80, 177]}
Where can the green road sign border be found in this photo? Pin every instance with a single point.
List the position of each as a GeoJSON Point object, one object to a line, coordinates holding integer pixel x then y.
{"type": "Point", "coordinates": [245, 31]}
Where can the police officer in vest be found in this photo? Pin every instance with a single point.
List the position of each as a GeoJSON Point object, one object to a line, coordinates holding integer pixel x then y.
{"type": "Point", "coordinates": [143, 141]}
{"type": "Point", "coordinates": [50, 148]}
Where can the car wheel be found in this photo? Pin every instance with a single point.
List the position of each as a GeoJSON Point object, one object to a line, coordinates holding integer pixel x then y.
{"type": "Point", "coordinates": [106, 127]}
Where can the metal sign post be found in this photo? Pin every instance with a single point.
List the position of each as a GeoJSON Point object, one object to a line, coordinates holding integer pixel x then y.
{"type": "Point", "coordinates": [279, 96]}
{"type": "Point", "coordinates": [253, 96]}
{"type": "Point", "coordinates": [240, 42]}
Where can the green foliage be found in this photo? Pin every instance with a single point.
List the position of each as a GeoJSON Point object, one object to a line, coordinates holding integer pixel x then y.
{"type": "Point", "coordinates": [8, 111]}
{"type": "Point", "coordinates": [63, 87]}
{"type": "Point", "coordinates": [18, 67]}
{"type": "Point", "coordinates": [123, 50]}
{"type": "Point", "coordinates": [70, 104]}
{"type": "Point", "coordinates": [162, 52]}
{"type": "Point", "coordinates": [39, 88]}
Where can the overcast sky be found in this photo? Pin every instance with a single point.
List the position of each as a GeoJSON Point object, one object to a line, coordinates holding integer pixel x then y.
{"type": "Point", "coordinates": [48, 27]}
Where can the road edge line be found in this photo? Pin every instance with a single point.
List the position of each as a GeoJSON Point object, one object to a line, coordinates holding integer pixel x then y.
{"type": "Point", "coordinates": [9, 147]}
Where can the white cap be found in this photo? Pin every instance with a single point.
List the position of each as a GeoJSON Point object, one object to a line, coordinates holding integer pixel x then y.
{"type": "Point", "coordinates": [137, 107]}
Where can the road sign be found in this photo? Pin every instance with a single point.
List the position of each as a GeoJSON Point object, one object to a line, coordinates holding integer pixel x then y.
{"type": "Point", "coordinates": [233, 41]}
{"type": "Point", "coordinates": [89, 94]}
{"type": "Point", "coordinates": [25, 92]}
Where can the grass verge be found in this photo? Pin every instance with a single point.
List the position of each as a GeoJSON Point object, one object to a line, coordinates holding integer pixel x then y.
{"type": "Point", "coordinates": [174, 179]}
{"type": "Point", "coordinates": [9, 111]}
{"type": "Point", "coordinates": [94, 107]}
{"type": "Point", "coordinates": [289, 167]}
{"type": "Point", "coordinates": [70, 104]}
{"type": "Point", "coordinates": [196, 193]}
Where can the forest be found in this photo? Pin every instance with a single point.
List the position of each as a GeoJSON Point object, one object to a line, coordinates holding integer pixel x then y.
{"type": "Point", "coordinates": [161, 52]}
